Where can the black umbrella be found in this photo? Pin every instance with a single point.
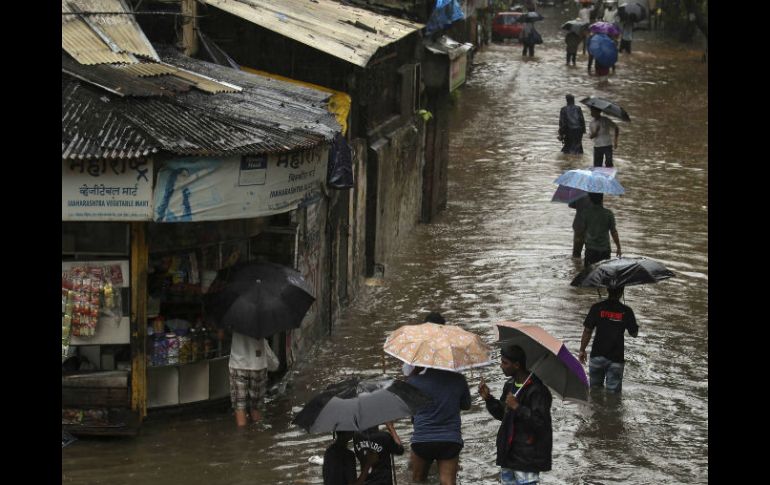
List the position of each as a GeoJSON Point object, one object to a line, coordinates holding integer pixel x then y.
{"type": "Point", "coordinates": [258, 299]}
{"type": "Point", "coordinates": [614, 273]}
{"type": "Point", "coordinates": [606, 106]}
{"type": "Point", "coordinates": [530, 17]}
{"type": "Point", "coordinates": [632, 11]}
{"type": "Point", "coordinates": [356, 405]}
{"type": "Point", "coordinates": [576, 26]}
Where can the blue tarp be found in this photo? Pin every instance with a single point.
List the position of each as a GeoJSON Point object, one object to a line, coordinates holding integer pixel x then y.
{"type": "Point", "coordinates": [444, 14]}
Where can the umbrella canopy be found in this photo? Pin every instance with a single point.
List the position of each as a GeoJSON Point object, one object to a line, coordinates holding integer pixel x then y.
{"type": "Point", "coordinates": [632, 11]}
{"type": "Point", "coordinates": [604, 28]}
{"type": "Point", "coordinates": [568, 195]}
{"type": "Point", "coordinates": [446, 347]}
{"type": "Point", "coordinates": [356, 405]}
{"type": "Point", "coordinates": [606, 106]}
{"type": "Point", "coordinates": [592, 179]}
{"type": "Point", "coordinates": [548, 358]}
{"type": "Point", "coordinates": [576, 26]}
{"type": "Point", "coordinates": [614, 273]}
{"type": "Point", "coordinates": [603, 49]}
{"type": "Point", "coordinates": [258, 299]}
{"type": "Point", "coordinates": [530, 17]}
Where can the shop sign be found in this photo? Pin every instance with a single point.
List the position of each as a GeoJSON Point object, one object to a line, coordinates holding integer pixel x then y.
{"type": "Point", "coordinates": [207, 189]}
{"type": "Point", "coordinates": [106, 190]}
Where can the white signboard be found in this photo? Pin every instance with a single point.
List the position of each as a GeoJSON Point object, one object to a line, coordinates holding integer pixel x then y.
{"type": "Point", "coordinates": [206, 189]}
{"type": "Point", "coordinates": [106, 190]}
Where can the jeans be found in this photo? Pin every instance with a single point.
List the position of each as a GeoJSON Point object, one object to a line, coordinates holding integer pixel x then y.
{"type": "Point", "coordinates": [512, 477]}
{"type": "Point", "coordinates": [600, 368]}
{"type": "Point", "coordinates": [530, 48]}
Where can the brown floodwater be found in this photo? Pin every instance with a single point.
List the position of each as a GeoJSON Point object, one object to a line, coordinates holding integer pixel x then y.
{"type": "Point", "coordinates": [501, 251]}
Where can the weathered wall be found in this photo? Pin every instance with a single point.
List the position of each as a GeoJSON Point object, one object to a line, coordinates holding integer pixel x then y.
{"type": "Point", "coordinates": [399, 182]}
{"type": "Point", "coordinates": [312, 262]}
{"type": "Point", "coordinates": [357, 244]}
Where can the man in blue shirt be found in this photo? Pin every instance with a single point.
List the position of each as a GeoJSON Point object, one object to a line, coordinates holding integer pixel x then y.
{"type": "Point", "coordinates": [437, 434]}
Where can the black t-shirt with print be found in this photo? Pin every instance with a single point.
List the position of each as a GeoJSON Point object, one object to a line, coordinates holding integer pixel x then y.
{"type": "Point", "coordinates": [611, 319]}
{"type": "Point", "coordinates": [384, 445]}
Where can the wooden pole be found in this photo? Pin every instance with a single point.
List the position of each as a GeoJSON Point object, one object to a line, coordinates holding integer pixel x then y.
{"type": "Point", "coordinates": [139, 258]}
{"type": "Point", "coordinates": [189, 10]}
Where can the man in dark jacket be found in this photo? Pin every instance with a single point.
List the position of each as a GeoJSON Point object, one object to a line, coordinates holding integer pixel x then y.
{"type": "Point", "coordinates": [524, 440]}
{"type": "Point", "coordinates": [572, 125]}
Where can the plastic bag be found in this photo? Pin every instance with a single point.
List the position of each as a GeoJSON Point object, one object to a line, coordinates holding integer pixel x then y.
{"type": "Point", "coordinates": [272, 360]}
{"type": "Point", "coordinates": [340, 171]}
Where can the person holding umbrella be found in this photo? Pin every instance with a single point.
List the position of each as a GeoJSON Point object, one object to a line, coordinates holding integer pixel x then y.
{"type": "Point", "coordinates": [592, 225]}
{"type": "Point", "coordinates": [248, 377]}
{"type": "Point", "coordinates": [374, 449]}
{"type": "Point", "coordinates": [599, 132]}
{"type": "Point", "coordinates": [611, 319]}
{"type": "Point", "coordinates": [525, 437]}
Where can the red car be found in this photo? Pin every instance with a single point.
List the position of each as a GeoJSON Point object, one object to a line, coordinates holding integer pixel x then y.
{"type": "Point", "coordinates": [505, 26]}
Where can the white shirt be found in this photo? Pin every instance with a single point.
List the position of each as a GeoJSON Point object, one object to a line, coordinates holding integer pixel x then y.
{"type": "Point", "coordinates": [584, 14]}
{"type": "Point", "coordinates": [606, 131]}
{"type": "Point", "coordinates": [247, 353]}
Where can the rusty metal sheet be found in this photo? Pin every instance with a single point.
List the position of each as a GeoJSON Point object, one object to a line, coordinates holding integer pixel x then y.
{"type": "Point", "coordinates": [113, 80]}
{"type": "Point", "coordinates": [102, 36]}
{"type": "Point", "coordinates": [348, 33]}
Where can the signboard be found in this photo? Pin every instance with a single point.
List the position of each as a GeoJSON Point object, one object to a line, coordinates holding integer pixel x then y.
{"type": "Point", "coordinates": [106, 190]}
{"type": "Point", "coordinates": [207, 189]}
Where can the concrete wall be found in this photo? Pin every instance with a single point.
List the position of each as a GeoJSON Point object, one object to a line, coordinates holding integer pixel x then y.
{"type": "Point", "coordinates": [313, 263]}
{"type": "Point", "coordinates": [399, 156]}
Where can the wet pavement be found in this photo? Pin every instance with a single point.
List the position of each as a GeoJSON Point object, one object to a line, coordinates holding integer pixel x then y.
{"type": "Point", "coordinates": [501, 251]}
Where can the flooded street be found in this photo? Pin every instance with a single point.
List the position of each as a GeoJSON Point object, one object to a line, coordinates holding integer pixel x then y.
{"type": "Point", "coordinates": [501, 251]}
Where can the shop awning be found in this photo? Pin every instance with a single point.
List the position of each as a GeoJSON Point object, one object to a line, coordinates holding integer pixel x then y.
{"type": "Point", "coordinates": [348, 33]}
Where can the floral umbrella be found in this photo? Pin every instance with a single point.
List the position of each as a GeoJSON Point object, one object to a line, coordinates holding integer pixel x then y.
{"type": "Point", "coordinates": [446, 347]}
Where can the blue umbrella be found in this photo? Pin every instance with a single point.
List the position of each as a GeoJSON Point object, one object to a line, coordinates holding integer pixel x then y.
{"type": "Point", "coordinates": [603, 49]}
{"type": "Point", "coordinates": [593, 179]}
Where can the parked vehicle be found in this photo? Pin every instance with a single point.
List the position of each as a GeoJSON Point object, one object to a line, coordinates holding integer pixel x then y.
{"type": "Point", "coordinates": [505, 26]}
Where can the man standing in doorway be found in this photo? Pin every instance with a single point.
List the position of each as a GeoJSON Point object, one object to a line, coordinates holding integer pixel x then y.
{"type": "Point", "coordinates": [599, 131]}
{"type": "Point", "coordinates": [525, 437]}
{"type": "Point", "coordinates": [592, 225]}
{"type": "Point", "coordinates": [611, 319]}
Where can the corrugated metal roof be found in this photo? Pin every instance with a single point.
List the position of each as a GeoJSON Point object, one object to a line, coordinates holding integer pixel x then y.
{"type": "Point", "coordinates": [349, 33]}
{"type": "Point", "coordinates": [150, 69]}
{"type": "Point", "coordinates": [98, 39]}
{"type": "Point", "coordinates": [267, 116]}
{"type": "Point", "coordinates": [116, 81]}
{"type": "Point", "coordinates": [447, 46]}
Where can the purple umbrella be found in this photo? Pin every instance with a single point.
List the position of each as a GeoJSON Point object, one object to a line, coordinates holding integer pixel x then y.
{"type": "Point", "coordinates": [568, 195]}
{"type": "Point", "coordinates": [547, 358]}
{"type": "Point", "coordinates": [604, 28]}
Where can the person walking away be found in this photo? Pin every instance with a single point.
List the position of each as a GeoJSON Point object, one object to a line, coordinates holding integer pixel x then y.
{"type": "Point", "coordinates": [437, 426]}
{"type": "Point", "coordinates": [525, 436]}
{"type": "Point", "coordinates": [374, 449]}
{"type": "Point", "coordinates": [577, 238]}
{"type": "Point", "coordinates": [572, 125]}
{"type": "Point", "coordinates": [611, 319]}
{"type": "Point", "coordinates": [627, 36]}
{"type": "Point", "coordinates": [592, 226]}
{"type": "Point", "coordinates": [573, 41]}
{"type": "Point", "coordinates": [599, 132]}
{"type": "Point", "coordinates": [248, 377]}
{"type": "Point", "coordinates": [528, 38]}
{"type": "Point", "coordinates": [339, 466]}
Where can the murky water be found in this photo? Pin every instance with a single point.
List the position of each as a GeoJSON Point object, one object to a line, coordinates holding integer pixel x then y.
{"type": "Point", "coordinates": [501, 251]}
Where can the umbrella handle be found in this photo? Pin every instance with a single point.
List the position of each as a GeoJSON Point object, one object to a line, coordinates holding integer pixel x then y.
{"type": "Point", "coordinates": [516, 394]}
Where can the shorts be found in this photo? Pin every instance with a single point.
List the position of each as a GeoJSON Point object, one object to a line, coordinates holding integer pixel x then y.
{"type": "Point", "coordinates": [512, 477]}
{"type": "Point", "coordinates": [247, 388]}
{"type": "Point", "coordinates": [437, 450]}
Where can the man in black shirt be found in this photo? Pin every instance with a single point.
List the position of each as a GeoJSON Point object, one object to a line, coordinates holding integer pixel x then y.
{"type": "Point", "coordinates": [611, 319]}
{"type": "Point", "coordinates": [373, 449]}
{"type": "Point", "coordinates": [339, 462]}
